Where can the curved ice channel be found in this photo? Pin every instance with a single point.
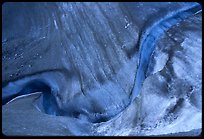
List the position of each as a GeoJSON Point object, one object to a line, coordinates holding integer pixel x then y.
{"type": "Point", "coordinates": [45, 83]}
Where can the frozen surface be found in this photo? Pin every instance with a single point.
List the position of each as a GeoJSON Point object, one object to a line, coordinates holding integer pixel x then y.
{"type": "Point", "coordinates": [108, 69]}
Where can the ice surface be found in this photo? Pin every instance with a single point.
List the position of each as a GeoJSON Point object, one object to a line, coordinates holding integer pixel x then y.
{"type": "Point", "coordinates": [87, 60]}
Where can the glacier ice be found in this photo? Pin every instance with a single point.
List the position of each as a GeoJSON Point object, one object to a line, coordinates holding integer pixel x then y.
{"type": "Point", "coordinates": [102, 69]}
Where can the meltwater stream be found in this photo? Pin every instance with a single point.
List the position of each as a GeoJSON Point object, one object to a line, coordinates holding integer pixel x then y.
{"type": "Point", "coordinates": [149, 38]}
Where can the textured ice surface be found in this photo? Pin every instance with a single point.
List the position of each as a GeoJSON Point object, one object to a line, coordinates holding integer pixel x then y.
{"type": "Point", "coordinates": [86, 60]}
